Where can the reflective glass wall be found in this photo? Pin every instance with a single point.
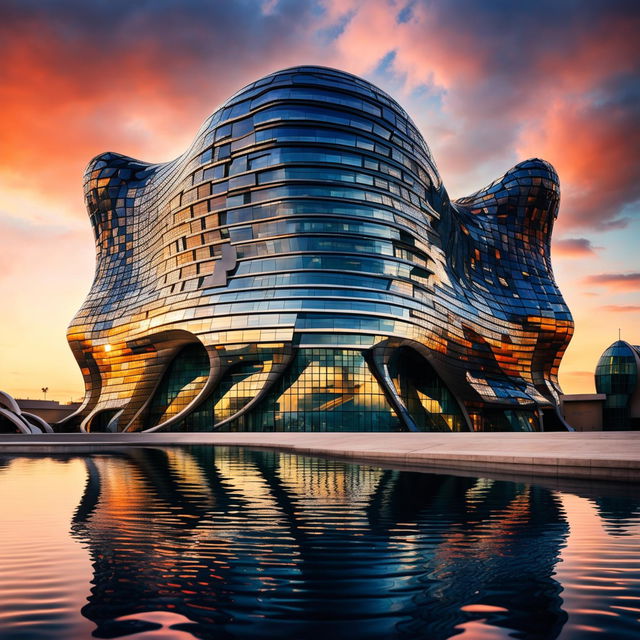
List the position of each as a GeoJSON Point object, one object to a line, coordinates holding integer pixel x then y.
{"type": "Point", "coordinates": [306, 243]}
{"type": "Point", "coordinates": [617, 377]}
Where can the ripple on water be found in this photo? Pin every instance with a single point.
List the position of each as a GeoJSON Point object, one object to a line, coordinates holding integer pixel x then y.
{"type": "Point", "coordinates": [225, 543]}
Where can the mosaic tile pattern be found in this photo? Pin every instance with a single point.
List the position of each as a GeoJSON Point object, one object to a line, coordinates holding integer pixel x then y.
{"type": "Point", "coordinates": [301, 267]}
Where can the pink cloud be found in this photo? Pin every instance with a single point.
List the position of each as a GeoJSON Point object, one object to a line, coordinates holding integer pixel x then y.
{"type": "Point", "coordinates": [592, 147]}
{"type": "Point", "coordinates": [622, 308]}
{"type": "Point", "coordinates": [574, 248]}
{"type": "Point", "coordinates": [615, 281]}
{"type": "Point", "coordinates": [516, 82]}
{"type": "Point", "coordinates": [498, 82]}
{"type": "Point", "coordinates": [63, 99]}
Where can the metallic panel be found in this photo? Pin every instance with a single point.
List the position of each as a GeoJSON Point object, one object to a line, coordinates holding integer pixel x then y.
{"type": "Point", "coordinates": [306, 236]}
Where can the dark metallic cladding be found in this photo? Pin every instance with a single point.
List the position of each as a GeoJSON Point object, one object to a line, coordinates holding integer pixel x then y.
{"type": "Point", "coordinates": [301, 267]}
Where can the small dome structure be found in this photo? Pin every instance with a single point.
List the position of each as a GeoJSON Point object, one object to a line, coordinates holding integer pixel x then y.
{"type": "Point", "coordinates": [617, 375]}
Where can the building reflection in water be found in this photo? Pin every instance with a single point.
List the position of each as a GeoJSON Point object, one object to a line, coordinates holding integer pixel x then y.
{"type": "Point", "coordinates": [233, 543]}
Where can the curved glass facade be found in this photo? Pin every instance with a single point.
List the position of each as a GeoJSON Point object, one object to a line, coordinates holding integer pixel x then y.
{"type": "Point", "coordinates": [305, 240]}
{"type": "Point", "coordinates": [617, 377]}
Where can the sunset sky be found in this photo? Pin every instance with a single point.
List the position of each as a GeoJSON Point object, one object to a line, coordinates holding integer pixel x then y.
{"type": "Point", "coordinates": [488, 84]}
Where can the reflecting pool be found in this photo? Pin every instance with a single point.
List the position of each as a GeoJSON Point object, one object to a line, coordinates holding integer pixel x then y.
{"type": "Point", "coordinates": [201, 542]}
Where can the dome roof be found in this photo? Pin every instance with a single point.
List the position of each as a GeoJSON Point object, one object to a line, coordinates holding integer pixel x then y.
{"type": "Point", "coordinates": [617, 369]}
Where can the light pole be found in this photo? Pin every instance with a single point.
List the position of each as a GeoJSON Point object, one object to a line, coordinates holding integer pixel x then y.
{"type": "Point", "coordinates": [44, 390]}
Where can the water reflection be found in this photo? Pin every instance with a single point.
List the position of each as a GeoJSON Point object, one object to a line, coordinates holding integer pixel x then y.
{"type": "Point", "coordinates": [234, 543]}
{"type": "Point", "coordinates": [184, 543]}
{"type": "Point", "coordinates": [599, 567]}
{"type": "Point", "coordinates": [619, 514]}
{"type": "Point", "coordinates": [44, 575]}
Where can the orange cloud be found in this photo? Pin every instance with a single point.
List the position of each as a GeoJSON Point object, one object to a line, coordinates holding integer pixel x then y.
{"type": "Point", "coordinates": [82, 78]}
{"type": "Point", "coordinates": [616, 281]}
{"type": "Point", "coordinates": [622, 308]}
{"type": "Point", "coordinates": [514, 81]}
{"type": "Point", "coordinates": [489, 84]}
{"type": "Point", "coordinates": [591, 146]}
{"type": "Point", "coordinates": [573, 248]}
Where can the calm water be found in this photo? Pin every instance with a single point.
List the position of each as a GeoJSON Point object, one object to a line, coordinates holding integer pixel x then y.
{"type": "Point", "coordinates": [187, 543]}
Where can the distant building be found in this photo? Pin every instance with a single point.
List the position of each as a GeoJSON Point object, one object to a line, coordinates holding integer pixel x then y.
{"type": "Point", "coordinates": [616, 404]}
{"type": "Point", "coordinates": [583, 411]}
{"type": "Point", "coordinates": [23, 415]}
{"type": "Point", "coordinates": [49, 410]}
{"type": "Point", "coordinates": [617, 377]}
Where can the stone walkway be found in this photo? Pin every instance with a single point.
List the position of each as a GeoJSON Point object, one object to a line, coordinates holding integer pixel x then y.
{"type": "Point", "coordinates": [610, 455]}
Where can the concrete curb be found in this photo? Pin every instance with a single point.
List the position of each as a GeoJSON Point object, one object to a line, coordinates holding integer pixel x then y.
{"type": "Point", "coordinates": [613, 455]}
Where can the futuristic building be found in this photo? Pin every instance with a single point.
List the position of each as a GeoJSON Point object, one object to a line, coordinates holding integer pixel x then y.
{"type": "Point", "coordinates": [617, 377]}
{"type": "Point", "coordinates": [301, 267]}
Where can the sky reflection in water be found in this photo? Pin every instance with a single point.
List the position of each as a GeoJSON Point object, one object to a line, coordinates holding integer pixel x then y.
{"type": "Point", "coordinates": [201, 543]}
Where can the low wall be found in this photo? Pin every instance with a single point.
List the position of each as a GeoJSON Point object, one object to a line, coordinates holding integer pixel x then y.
{"type": "Point", "coordinates": [611, 455]}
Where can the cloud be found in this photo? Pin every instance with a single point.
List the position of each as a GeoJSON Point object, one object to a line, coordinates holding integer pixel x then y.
{"type": "Point", "coordinates": [545, 79]}
{"type": "Point", "coordinates": [509, 80]}
{"type": "Point", "coordinates": [592, 139]}
{"type": "Point", "coordinates": [622, 308]}
{"type": "Point", "coordinates": [36, 251]}
{"type": "Point", "coordinates": [615, 281]}
{"type": "Point", "coordinates": [574, 248]}
{"type": "Point", "coordinates": [489, 84]}
{"type": "Point", "coordinates": [79, 78]}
